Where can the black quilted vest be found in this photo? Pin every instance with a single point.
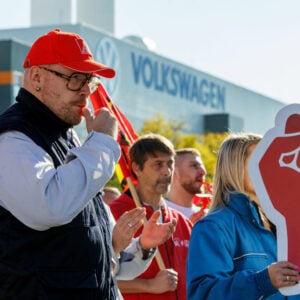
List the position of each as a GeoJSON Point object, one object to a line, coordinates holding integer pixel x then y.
{"type": "Point", "coordinates": [72, 261]}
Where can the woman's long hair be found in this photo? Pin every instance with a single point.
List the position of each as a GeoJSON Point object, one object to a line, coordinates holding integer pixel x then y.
{"type": "Point", "coordinates": [229, 171]}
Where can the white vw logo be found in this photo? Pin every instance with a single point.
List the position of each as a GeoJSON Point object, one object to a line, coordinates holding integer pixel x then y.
{"type": "Point", "coordinates": [107, 54]}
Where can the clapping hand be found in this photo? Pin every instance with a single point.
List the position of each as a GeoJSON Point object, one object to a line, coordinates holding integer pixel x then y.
{"type": "Point", "coordinates": [154, 233]}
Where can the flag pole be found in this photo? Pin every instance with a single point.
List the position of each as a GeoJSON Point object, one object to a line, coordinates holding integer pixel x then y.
{"type": "Point", "coordinates": [101, 99]}
{"type": "Point", "coordinates": [137, 202]}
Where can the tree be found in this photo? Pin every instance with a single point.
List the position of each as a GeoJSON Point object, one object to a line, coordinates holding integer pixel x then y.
{"type": "Point", "coordinates": [208, 144]}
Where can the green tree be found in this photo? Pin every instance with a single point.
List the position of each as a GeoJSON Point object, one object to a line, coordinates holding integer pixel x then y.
{"type": "Point", "coordinates": [207, 144]}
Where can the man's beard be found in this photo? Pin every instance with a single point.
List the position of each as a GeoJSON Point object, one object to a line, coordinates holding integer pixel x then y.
{"type": "Point", "coordinates": [191, 188]}
{"type": "Point", "coordinates": [166, 182]}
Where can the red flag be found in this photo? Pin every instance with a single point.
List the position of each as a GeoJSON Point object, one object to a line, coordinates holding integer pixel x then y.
{"type": "Point", "coordinates": [126, 137]}
{"type": "Point", "coordinates": [101, 99]}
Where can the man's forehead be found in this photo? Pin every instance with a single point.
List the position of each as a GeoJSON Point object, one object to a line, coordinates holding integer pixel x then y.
{"type": "Point", "coordinates": [160, 156]}
{"type": "Point", "coordinates": [189, 157]}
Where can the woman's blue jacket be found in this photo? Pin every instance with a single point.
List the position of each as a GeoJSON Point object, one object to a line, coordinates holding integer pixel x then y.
{"type": "Point", "coordinates": [229, 253]}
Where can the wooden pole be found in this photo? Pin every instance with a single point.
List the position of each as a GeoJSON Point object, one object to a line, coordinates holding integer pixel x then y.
{"type": "Point", "coordinates": [137, 202]}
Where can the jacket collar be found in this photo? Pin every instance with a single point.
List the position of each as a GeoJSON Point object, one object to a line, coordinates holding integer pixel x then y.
{"type": "Point", "coordinates": [243, 206]}
{"type": "Point", "coordinates": [41, 112]}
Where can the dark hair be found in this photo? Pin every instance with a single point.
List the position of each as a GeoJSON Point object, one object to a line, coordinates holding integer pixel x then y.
{"type": "Point", "coordinates": [149, 145]}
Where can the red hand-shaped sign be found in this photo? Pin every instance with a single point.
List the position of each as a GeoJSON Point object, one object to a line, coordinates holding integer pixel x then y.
{"type": "Point", "coordinates": [291, 160]}
{"type": "Point", "coordinates": [275, 172]}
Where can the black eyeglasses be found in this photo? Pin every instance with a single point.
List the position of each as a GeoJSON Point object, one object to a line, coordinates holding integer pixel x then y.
{"type": "Point", "coordinates": [76, 81]}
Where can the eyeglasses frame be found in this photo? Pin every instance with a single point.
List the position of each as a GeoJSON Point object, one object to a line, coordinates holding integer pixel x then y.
{"type": "Point", "coordinates": [88, 78]}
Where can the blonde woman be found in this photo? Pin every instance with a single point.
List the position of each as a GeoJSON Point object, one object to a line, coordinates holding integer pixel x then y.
{"type": "Point", "coordinates": [232, 251]}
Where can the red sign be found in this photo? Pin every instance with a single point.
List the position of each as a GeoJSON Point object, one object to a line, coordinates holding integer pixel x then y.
{"type": "Point", "coordinates": [275, 172]}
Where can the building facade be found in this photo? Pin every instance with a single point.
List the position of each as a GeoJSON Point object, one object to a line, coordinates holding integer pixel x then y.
{"type": "Point", "coordinates": [148, 84]}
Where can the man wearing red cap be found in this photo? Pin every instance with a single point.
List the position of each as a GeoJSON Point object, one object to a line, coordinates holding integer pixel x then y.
{"type": "Point", "coordinates": [55, 235]}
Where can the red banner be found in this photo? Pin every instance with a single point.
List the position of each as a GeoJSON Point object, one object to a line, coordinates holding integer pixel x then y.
{"type": "Point", "coordinates": [275, 172]}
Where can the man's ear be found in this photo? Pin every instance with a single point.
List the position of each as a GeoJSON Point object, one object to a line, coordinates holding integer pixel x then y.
{"type": "Point", "coordinates": [135, 168]}
{"type": "Point", "coordinates": [35, 75]}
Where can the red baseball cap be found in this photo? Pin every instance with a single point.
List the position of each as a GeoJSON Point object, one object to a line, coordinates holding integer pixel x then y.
{"type": "Point", "coordinates": [67, 49]}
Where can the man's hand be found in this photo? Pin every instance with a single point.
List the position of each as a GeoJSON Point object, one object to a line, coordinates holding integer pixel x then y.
{"type": "Point", "coordinates": [154, 233]}
{"type": "Point", "coordinates": [103, 122]}
{"type": "Point", "coordinates": [164, 281]}
{"type": "Point", "coordinates": [126, 227]}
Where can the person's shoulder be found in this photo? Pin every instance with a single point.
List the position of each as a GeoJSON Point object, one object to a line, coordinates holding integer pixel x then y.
{"type": "Point", "coordinates": [222, 217]}
{"type": "Point", "coordinates": [174, 212]}
{"type": "Point", "coordinates": [181, 219]}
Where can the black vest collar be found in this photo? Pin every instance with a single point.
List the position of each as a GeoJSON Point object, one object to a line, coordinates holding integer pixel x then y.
{"type": "Point", "coordinates": [41, 113]}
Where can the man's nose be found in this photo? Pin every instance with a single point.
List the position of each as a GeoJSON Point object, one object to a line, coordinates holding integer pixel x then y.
{"type": "Point", "coordinates": [86, 89]}
{"type": "Point", "coordinates": [202, 171]}
{"type": "Point", "coordinates": [167, 171]}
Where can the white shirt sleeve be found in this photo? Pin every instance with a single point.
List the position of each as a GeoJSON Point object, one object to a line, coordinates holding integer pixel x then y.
{"type": "Point", "coordinates": [42, 196]}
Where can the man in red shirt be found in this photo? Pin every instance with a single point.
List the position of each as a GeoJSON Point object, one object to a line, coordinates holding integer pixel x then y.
{"type": "Point", "coordinates": [152, 162]}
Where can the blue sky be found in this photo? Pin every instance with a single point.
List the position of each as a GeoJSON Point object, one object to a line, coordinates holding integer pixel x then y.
{"type": "Point", "coordinates": [255, 44]}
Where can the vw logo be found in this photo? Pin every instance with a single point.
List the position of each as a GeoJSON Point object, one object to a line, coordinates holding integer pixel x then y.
{"type": "Point", "coordinates": [106, 53]}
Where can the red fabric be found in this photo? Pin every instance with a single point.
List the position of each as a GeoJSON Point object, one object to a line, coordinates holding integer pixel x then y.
{"type": "Point", "coordinates": [173, 252]}
{"type": "Point", "coordinates": [101, 99]}
{"type": "Point", "coordinates": [68, 49]}
{"type": "Point", "coordinates": [126, 136]}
